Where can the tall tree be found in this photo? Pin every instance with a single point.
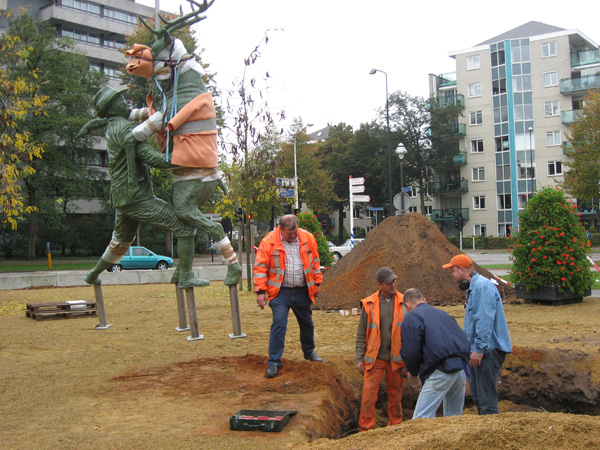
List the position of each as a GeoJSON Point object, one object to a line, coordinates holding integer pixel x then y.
{"type": "Point", "coordinates": [582, 181]}
{"type": "Point", "coordinates": [61, 173]}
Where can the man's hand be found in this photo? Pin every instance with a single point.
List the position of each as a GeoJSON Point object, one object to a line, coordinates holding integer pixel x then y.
{"type": "Point", "coordinates": [360, 367]}
{"type": "Point", "coordinates": [261, 300]}
{"type": "Point", "coordinates": [318, 290]}
{"type": "Point", "coordinates": [475, 360]}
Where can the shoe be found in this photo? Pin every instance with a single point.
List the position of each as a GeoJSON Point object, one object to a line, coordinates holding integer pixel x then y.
{"type": "Point", "coordinates": [272, 370]}
{"type": "Point", "coordinates": [312, 356]}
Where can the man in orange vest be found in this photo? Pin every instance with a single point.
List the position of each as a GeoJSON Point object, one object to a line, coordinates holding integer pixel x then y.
{"type": "Point", "coordinates": [378, 349]}
{"type": "Point", "coordinates": [287, 274]}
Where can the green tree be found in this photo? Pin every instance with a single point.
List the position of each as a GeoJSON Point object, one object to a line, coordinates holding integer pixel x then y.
{"type": "Point", "coordinates": [61, 175]}
{"type": "Point", "coordinates": [308, 221]}
{"type": "Point", "coordinates": [20, 99]}
{"type": "Point", "coordinates": [583, 147]}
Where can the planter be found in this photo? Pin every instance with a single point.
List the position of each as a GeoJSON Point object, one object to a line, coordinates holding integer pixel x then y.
{"type": "Point", "coordinates": [549, 295]}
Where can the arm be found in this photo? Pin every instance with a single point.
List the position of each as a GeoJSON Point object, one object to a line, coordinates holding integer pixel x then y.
{"type": "Point", "coordinates": [146, 152]}
{"type": "Point", "coordinates": [361, 341]}
{"type": "Point", "coordinates": [411, 350]}
{"type": "Point", "coordinates": [261, 268]}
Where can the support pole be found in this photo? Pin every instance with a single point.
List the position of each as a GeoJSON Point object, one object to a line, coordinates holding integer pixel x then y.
{"type": "Point", "coordinates": [191, 305]}
{"type": "Point", "coordinates": [100, 307]}
{"type": "Point", "coordinates": [241, 251]}
{"type": "Point", "coordinates": [235, 313]}
{"type": "Point", "coordinates": [183, 326]}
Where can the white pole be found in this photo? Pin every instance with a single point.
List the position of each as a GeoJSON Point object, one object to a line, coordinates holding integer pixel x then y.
{"type": "Point", "coordinates": [156, 13]}
{"type": "Point", "coordinates": [295, 176]}
{"type": "Point", "coordinates": [351, 212]}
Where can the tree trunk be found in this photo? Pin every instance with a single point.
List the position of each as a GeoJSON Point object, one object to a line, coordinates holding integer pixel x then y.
{"type": "Point", "coordinates": [31, 239]}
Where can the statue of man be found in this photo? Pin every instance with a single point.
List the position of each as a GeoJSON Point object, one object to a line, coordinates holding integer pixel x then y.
{"type": "Point", "coordinates": [131, 192]}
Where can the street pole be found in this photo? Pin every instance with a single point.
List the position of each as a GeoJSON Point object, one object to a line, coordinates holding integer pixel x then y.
{"type": "Point", "coordinates": [530, 163]}
{"type": "Point", "coordinates": [400, 152]}
{"type": "Point", "coordinates": [389, 144]}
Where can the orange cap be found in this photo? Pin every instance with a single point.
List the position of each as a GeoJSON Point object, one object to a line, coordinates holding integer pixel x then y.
{"type": "Point", "coordinates": [461, 260]}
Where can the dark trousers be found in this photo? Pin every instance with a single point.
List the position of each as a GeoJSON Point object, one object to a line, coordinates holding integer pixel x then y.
{"type": "Point", "coordinates": [484, 379]}
{"type": "Point", "coordinates": [298, 300]}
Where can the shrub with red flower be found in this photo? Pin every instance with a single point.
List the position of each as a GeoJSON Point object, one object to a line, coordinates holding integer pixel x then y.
{"type": "Point", "coordinates": [309, 222]}
{"type": "Point", "coordinates": [537, 265]}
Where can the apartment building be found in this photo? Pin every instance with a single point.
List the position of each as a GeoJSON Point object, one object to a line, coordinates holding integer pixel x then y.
{"type": "Point", "coordinates": [519, 92]}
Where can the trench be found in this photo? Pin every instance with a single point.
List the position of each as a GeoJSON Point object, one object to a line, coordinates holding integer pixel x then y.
{"type": "Point", "coordinates": [551, 380]}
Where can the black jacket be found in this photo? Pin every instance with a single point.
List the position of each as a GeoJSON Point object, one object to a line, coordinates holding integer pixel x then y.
{"type": "Point", "coordinates": [431, 339]}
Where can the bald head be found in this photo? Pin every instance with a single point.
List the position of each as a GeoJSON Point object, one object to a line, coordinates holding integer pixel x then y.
{"type": "Point", "coordinates": [412, 297]}
{"type": "Point", "coordinates": [288, 222]}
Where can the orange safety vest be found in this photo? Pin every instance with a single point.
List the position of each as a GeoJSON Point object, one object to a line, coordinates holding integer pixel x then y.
{"type": "Point", "coordinates": [269, 266]}
{"type": "Point", "coordinates": [371, 306]}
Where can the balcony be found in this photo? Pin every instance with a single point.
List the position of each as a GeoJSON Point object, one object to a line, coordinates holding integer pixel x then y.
{"type": "Point", "coordinates": [588, 207]}
{"type": "Point", "coordinates": [570, 85]}
{"type": "Point", "coordinates": [568, 117]}
{"type": "Point", "coordinates": [446, 187]}
{"type": "Point", "coordinates": [452, 100]}
{"type": "Point", "coordinates": [460, 159]}
{"type": "Point", "coordinates": [585, 57]}
{"type": "Point", "coordinates": [447, 79]}
{"type": "Point", "coordinates": [457, 129]}
{"type": "Point", "coordinates": [442, 215]}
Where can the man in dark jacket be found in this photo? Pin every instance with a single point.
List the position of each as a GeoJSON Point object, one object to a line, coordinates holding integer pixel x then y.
{"type": "Point", "coordinates": [434, 346]}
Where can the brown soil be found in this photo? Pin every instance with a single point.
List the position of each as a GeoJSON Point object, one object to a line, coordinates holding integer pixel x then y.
{"type": "Point", "coordinates": [141, 384]}
{"type": "Point", "coordinates": [413, 247]}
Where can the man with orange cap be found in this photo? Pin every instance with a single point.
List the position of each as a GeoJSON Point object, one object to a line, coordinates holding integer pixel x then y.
{"type": "Point", "coordinates": [487, 331]}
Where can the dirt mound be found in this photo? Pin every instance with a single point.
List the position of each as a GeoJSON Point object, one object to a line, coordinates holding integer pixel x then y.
{"type": "Point", "coordinates": [413, 247]}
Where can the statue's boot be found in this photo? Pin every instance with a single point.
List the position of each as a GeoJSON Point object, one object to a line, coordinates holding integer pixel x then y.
{"type": "Point", "coordinates": [186, 278]}
{"type": "Point", "coordinates": [234, 274]}
{"type": "Point", "coordinates": [92, 275]}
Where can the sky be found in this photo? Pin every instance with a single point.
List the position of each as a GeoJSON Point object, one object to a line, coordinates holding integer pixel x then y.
{"type": "Point", "coordinates": [320, 52]}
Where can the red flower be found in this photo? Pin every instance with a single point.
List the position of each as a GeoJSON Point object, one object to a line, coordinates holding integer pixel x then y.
{"type": "Point", "coordinates": [533, 260]}
{"type": "Point", "coordinates": [574, 239]}
{"type": "Point", "coordinates": [533, 249]}
{"type": "Point", "coordinates": [563, 279]}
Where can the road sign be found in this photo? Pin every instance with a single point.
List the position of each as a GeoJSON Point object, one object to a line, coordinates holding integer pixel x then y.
{"type": "Point", "coordinates": [361, 198]}
{"type": "Point", "coordinates": [358, 189]}
{"type": "Point", "coordinates": [407, 189]}
{"type": "Point", "coordinates": [285, 183]}
{"type": "Point", "coordinates": [357, 181]}
{"type": "Point", "coordinates": [286, 193]}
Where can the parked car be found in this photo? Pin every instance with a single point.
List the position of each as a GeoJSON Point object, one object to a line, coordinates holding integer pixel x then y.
{"type": "Point", "coordinates": [344, 249]}
{"type": "Point", "coordinates": [142, 258]}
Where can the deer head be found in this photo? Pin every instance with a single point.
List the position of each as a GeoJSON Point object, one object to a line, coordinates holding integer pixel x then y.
{"type": "Point", "coordinates": [163, 35]}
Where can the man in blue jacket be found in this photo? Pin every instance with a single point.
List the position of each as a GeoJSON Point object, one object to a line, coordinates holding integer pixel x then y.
{"type": "Point", "coordinates": [434, 346]}
{"type": "Point", "coordinates": [487, 331]}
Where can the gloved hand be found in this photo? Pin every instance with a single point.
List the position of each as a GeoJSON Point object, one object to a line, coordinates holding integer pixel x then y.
{"type": "Point", "coordinates": [154, 124]}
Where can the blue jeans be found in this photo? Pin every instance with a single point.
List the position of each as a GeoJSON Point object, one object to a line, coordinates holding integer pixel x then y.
{"type": "Point", "coordinates": [484, 379]}
{"type": "Point", "coordinates": [298, 300]}
{"type": "Point", "coordinates": [442, 387]}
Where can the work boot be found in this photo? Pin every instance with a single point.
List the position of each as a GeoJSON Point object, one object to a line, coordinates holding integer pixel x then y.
{"type": "Point", "coordinates": [234, 274]}
{"type": "Point", "coordinates": [312, 356]}
{"type": "Point", "coordinates": [186, 278]}
{"type": "Point", "coordinates": [272, 370]}
{"type": "Point", "coordinates": [92, 275]}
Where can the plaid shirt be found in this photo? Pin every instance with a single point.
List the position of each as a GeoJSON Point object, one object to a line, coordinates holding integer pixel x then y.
{"type": "Point", "coordinates": [294, 272]}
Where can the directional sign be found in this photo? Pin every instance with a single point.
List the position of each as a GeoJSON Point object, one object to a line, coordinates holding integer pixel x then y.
{"type": "Point", "coordinates": [407, 189]}
{"type": "Point", "coordinates": [361, 198]}
{"type": "Point", "coordinates": [286, 193]}
{"type": "Point", "coordinates": [285, 183]}
{"type": "Point", "coordinates": [358, 189]}
{"type": "Point", "coordinates": [357, 181]}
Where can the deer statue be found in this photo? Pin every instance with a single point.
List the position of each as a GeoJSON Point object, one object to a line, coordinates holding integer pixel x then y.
{"type": "Point", "coordinates": [181, 114]}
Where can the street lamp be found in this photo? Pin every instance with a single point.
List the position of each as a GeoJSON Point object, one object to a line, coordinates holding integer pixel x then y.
{"type": "Point", "coordinates": [297, 188]}
{"type": "Point", "coordinates": [530, 162]}
{"type": "Point", "coordinates": [389, 145]}
{"type": "Point", "coordinates": [400, 152]}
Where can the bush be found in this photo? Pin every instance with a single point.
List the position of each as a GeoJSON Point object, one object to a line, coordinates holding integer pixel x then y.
{"type": "Point", "coordinates": [309, 222]}
{"type": "Point", "coordinates": [550, 246]}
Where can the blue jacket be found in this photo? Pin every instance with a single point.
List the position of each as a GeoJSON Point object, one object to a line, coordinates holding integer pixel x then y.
{"type": "Point", "coordinates": [431, 339]}
{"type": "Point", "coordinates": [485, 322]}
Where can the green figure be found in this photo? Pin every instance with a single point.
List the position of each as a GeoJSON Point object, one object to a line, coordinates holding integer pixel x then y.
{"type": "Point", "coordinates": [131, 191]}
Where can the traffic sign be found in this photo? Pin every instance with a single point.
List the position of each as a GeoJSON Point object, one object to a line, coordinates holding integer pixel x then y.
{"type": "Point", "coordinates": [361, 198]}
{"type": "Point", "coordinates": [407, 189]}
{"type": "Point", "coordinates": [287, 193]}
{"type": "Point", "coordinates": [357, 181]}
{"type": "Point", "coordinates": [358, 189]}
{"type": "Point", "coordinates": [285, 183]}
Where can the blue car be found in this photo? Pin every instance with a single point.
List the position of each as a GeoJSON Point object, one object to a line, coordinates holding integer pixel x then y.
{"type": "Point", "coordinates": [142, 258]}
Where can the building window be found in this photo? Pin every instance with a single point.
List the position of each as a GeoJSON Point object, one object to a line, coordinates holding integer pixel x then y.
{"type": "Point", "coordinates": [475, 90]}
{"type": "Point", "coordinates": [502, 143]}
{"type": "Point", "coordinates": [548, 49]}
{"type": "Point", "coordinates": [526, 172]}
{"type": "Point", "coordinates": [476, 118]}
{"type": "Point", "coordinates": [412, 209]}
{"type": "Point", "coordinates": [473, 62]}
{"type": "Point", "coordinates": [480, 230]}
{"type": "Point", "coordinates": [428, 209]}
{"type": "Point", "coordinates": [550, 78]}
{"type": "Point", "coordinates": [551, 108]}
{"type": "Point", "coordinates": [476, 145]}
{"type": "Point", "coordinates": [522, 83]}
{"type": "Point", "coordinates": [552, 138]}
{"type": "Point", "coordinates": [479, 202]}
{"type": "Point", "coordinates": [120, 16]}
{"type": "Point", "coordinates": [504, 201]}
{"type": "Point", "coordinates": [478, 173]}
{"type": "Point", "coordinates": [554, 168]}
{"type": "Point", "coordinates": [81, 36]}
{"type": "Point", "coordinates": [412, 193]}
{"type": "Point", "coordinates": [112, 72]}
{"type": "Point", "coordinates": [90, 8]}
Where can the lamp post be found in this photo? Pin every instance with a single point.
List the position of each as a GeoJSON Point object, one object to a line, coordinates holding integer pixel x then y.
{"type": "Point", "coordinates": [297, 188]}
{"type": "Point", "coordinates": [400, 152]}
{"type": "Point", "coordinates": [389, 145]}
{"type": "Point", "coordinates": [530, 162]}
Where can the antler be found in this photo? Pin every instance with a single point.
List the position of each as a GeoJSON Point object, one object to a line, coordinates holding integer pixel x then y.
{"type": "Point", "coordinates": [181, 21]}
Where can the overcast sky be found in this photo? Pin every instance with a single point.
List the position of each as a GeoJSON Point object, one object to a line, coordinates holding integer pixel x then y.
{"type": "Point", "coordinates": [320, 52]}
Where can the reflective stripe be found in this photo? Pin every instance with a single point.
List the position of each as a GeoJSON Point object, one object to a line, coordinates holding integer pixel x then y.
{"type": "Point", "coordinates": [372, 325]}
{"type": "Point", "coordinates": [368, 359]}
{"type": "Point", "coordinates": [396, 359]}
{"type": "Point", "coordinates": [306, 271]}
{"type": "Point", "coordinates": [266, 266]}
{"type": "Point", "coordinates": [310, 283]}
{"type": "Point", "coordinates": [197, 126]}
{"type": "Point", "coordinates": [260, 275]}
{"type": "Point", "coordinates": [273, 283]}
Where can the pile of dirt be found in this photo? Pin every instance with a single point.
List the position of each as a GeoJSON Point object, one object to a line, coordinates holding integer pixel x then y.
{"type": "Point", "coordinates": [409, 244]}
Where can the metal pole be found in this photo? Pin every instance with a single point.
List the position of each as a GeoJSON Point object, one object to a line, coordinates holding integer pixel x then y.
{"type": "Point", "coordinates": [235, 313]}
{"type": "Point", "coordinates": [181, 310]}
{"type": "Point", "coordinates": [531, 161]}
{"type": "Point", "coordinates": [156, 13]}
{"type": "Point", "coordinates": [295, 175]}
{"type": "Point", "coordinates": [191, 306]}
{"type": "Point", "coordinates": [402, 186]}
{"type": "Point", "coordinates": [100, 307]}
{"type": "Point", "coordinates": [389, 145]}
